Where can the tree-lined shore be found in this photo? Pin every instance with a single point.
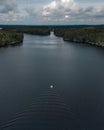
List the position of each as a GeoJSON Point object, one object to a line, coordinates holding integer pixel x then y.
{"type": "Point", "coordinates": [14, 35]}
{"type": "Point", "coordinates": [93, 35]}
{"type": "Point", "coordinates": [89, 35]}
{"type": "Point", "coordinates": [10, 38]}
{"type": "Point", "coordinates": [42, 31]}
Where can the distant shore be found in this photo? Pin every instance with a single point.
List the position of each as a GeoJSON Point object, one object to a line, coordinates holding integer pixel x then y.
{"type": "Point", "coordinates": [93, 35]}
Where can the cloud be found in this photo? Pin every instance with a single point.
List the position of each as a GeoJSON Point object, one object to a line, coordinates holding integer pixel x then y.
{"type": "Point", "coordinates": [31, 11]}
{"type": "Point", "coordinates": [11, 12]}
{"type": "Point", "coordinates": [7, 5]}
{"type": "Point", "coordinates": [71, 10]}
{"type": "Point", "coordinates": [8, 9]}
{"type": "Point", "coordinates": [51, 12]}
{"type": "Point", "coordinates": [60, 8]}
{"type": "Point", "coordinates": [95, 12]}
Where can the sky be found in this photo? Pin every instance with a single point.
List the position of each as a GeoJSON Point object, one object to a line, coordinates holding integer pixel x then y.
{"type": "Point", "coordinates": [51, 12]}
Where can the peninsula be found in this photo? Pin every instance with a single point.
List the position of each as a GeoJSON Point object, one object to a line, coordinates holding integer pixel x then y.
{"type": "Point", "coordinates": [10, 38]}
{"type": "Point", "coordinates": [88, 35]}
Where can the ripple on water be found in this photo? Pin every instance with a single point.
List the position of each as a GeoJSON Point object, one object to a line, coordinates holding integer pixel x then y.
{"type": "Point", "coordinates": [48, 111]}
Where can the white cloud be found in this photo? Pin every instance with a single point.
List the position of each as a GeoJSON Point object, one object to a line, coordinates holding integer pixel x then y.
{"type": "Point", "coordinates": [66, 16]}
{"type": "Point", "coordinates": [7, 10]}
{"type": "Point", "coordinates": [60, 9]}
{"type": "Point", "coordinates": [71, 10]}
{"type": "Point", "coordinates": [52, 5]}
{"type": "Point", "coordinates": [10, 11]}
{"type": "Point", "coordinates": [54, 12]}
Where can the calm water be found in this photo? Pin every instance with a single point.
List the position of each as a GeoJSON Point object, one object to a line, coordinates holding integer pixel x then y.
{"type": "Point", "coordinates": [76, 71]}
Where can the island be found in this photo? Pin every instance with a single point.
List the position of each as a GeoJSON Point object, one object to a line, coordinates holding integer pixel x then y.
{"type": "Point", "coordinates": [10, 38]}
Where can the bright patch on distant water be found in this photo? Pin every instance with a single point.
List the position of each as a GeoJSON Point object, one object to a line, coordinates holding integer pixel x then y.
{"type": "Point", "coordinates": [51, 86]}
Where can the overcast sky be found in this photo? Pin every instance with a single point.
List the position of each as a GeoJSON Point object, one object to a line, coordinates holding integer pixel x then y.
{"type": "Point", "coordinates": [51, 12]}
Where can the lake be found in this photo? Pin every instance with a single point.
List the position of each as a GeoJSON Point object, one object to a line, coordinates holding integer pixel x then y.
{"type": "Point", "coordinates": [49, 84]}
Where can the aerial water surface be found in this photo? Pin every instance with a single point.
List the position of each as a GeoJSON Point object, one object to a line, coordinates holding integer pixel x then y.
{"type": "Point", "coordinates": [49, 84]}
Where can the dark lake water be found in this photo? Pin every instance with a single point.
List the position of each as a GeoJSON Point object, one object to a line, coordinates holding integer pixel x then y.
{"type": "Point", "coordinates": [76, 71]}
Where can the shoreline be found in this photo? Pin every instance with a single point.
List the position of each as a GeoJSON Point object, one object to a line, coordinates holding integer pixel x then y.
{"type": "Point", "coordinates": [93, 36]}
